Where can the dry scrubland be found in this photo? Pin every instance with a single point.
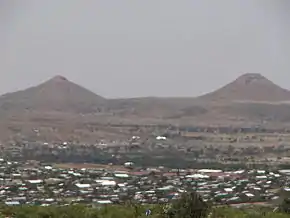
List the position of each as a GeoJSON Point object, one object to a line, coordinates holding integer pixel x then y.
{"type": "Point", "coordinates": [63, 109]}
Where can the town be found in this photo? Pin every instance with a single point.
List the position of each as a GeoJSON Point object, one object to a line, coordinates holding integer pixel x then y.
{"type": "Point", "coordinates": [36, 183]}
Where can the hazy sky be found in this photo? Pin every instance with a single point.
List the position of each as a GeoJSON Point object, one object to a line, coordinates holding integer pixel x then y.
{"type": "Point", "coordinates": [128, 48]}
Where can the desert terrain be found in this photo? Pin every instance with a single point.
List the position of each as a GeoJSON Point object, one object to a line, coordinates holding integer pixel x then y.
{"type": "Point", "coordinates": [59, 109]}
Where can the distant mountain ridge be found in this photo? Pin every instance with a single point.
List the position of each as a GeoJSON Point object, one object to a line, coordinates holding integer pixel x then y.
{"type": "Point", "coordinates": [249, 87]}
{"type": "Point", "coordinates": [64, 110]}
{"type": "Point", "coordinates": [249, 95]}
{"type": "Point", "coordinates": [57, 94]}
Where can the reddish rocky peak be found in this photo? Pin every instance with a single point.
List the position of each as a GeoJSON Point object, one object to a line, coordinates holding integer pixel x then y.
{"type": "Point", "coordinates": [250, 78]}
{"type": "Point", "coordinates": [59, 78]}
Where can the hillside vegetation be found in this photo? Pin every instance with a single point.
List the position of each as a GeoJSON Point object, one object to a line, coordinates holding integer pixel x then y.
{"type": "Point", "coordinates": [81, 211]}
{"type": "Point", "coordinates": [190, 205]}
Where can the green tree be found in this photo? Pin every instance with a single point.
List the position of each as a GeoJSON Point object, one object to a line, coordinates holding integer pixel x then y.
{"type": "Point", "coordinates": [190, 205]}
{"type": "Point", "coordinates": [285, 205]}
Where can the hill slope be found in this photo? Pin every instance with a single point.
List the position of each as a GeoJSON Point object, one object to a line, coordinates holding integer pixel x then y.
{"type": "Point", "coordinates": [70, 110]}
{"type": "Point", "coordinates": [56, 94]}
{"type": "Point", "coordinates": [249, 87]}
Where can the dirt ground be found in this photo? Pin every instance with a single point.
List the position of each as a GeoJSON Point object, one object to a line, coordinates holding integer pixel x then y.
{"type": "Point", "coordinates": [90, 166]}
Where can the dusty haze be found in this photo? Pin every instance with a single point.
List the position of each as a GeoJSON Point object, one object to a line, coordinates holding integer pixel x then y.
{"type": "Point", "coordinates": [143, 48]}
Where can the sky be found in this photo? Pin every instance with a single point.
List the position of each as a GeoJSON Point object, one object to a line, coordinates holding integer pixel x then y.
{"type": "Point", "coordinates": [138, 48]}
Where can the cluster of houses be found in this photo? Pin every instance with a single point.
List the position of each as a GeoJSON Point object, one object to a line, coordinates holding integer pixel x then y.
{"type": "Point", "coordinates": [41, 184]}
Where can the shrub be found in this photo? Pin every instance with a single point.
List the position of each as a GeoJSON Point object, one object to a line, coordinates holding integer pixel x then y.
{"type": "Point", "coordinates": [190, 205]}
